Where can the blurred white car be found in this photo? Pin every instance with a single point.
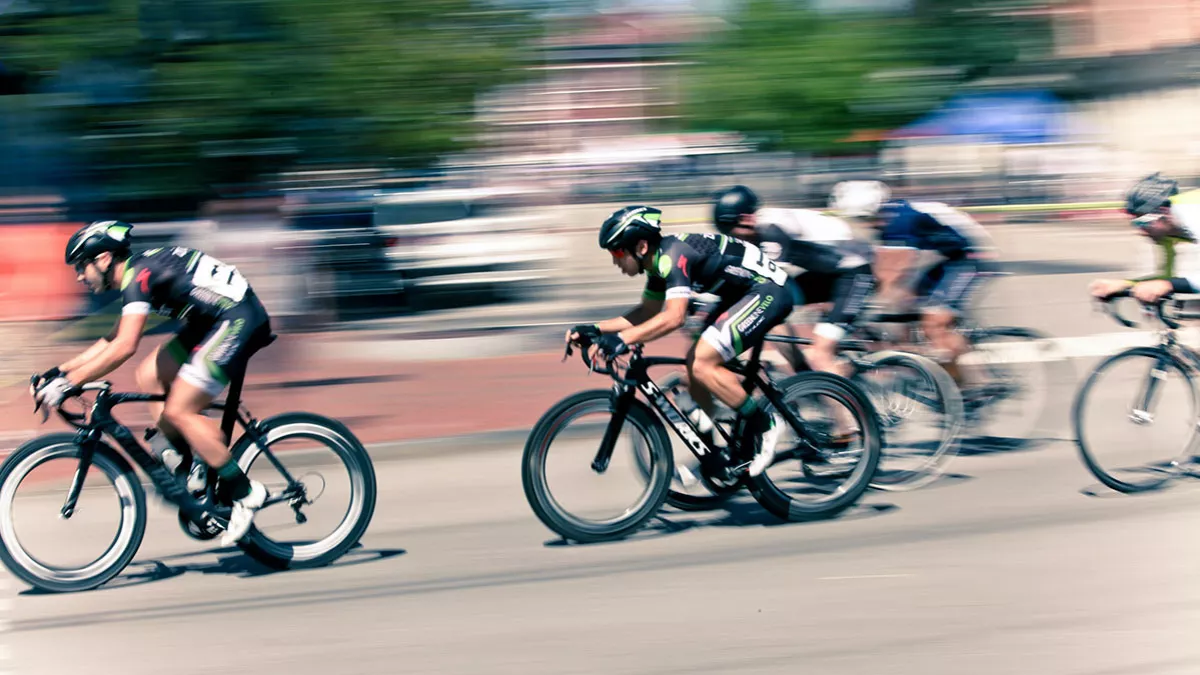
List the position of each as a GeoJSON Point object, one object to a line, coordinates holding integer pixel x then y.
{"type": "Point", "coordinates": [451, 246]}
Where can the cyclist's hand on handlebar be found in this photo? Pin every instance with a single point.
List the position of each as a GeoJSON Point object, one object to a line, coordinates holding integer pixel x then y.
{"type": "Point", "coordinates": [611, 345]}
{"type": "Point", "coordinates": [52, 394]}
{"type": "Point", "coordinates": [1152, 291]}
{"type": "Point", "coordinates": [1103, 289]}
{"type": "Point", "coordinates": [583, 332]}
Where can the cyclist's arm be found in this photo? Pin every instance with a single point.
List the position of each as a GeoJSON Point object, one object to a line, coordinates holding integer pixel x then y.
{"type": "Point", "coordinates": [672, 316]}
{"type": "Point", "coordinates": [113, 353]}
{"type": "Point", "coordinates": [669, 296]}
{"type": "Point", "coordinates": [643, 312]}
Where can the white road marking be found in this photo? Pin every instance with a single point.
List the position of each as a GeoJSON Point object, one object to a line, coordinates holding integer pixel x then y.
{"type": "Point", "coordinates": [865, 576]}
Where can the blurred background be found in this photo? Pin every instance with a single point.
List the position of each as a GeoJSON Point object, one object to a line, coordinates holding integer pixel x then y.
{"type": "Point", "coordinates": [414, 190]}
{"type": "Point", "coordinates": [366, 161]}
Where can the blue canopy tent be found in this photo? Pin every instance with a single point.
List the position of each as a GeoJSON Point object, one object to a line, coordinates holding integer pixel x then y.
{"type": "Point", "coordinates": [1003, 117]}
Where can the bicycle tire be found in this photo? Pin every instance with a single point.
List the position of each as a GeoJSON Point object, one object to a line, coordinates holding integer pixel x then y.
{"type": "Point", "coordinates": [124, 546]}
{"type": "Point", "coordinates": [950, 401]}
{"type": "Point", "coordinates": [1055, 368]}
{"type": "Point", "coordinates": [533, 469]}
{"type": "Point", "coordinates": [1154, 480]}
{"type": "Point", "coordinates": [776, 500]}
{"type": "Point", "coordinates": [277, 555]}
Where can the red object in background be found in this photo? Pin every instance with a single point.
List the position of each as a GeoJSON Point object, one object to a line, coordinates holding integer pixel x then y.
{"type": "Point", "coordinates": [35, 283]}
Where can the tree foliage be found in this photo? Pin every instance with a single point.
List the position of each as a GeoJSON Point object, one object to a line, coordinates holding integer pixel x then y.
{"type": "Point", "coordinates": [217, 91]}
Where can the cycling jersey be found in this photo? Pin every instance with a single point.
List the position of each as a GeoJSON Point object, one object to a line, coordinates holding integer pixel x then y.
{"type": "Point", "coordinates": [224, 322]}
{"type": "Point", "coordinates": [1178, 258]}
{"type": "Point", "coordinates": [809, 240]}
{"type": "Point", "coordinates": [181, 283]}
{"type": "Point", "coordinates": [708, 263]}
{"type": "Point", "coordinates": [753, 299]}
{"type": "Point", "coordinates": [932, 226]}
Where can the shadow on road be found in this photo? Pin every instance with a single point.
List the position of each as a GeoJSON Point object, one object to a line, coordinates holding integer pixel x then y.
{"type": "Point", "coordinates": [988, 445]}
{"type": "Point", "coordinates": [738, 512]}
{"type": "Point", "coordinates": [231, 561]}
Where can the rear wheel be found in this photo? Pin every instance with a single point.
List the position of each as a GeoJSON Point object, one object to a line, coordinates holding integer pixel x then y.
{"type": "Point", "coordinates": [327, 465]}
{"type": "Point", "coordinates": [825, 466]}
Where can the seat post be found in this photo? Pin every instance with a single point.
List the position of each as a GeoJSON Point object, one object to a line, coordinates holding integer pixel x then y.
{"type": "Point", "coordinates": [232, 403]}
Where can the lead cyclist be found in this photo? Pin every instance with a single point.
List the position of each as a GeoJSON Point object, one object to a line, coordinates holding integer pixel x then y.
{"type": "Point", "coordinates": [224, 324]}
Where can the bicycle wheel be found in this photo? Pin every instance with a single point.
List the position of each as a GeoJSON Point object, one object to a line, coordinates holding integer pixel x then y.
{"type": "Point", "coordinates": [575, 510]}
{"type": "Point", "coordinates": [1012, 373]}
{"type": "Point", "coordinates": [298, 440]}
{"type": "Point", "coordinates": [1152, 391]}
{"type": "Point", "coordinates": [838, 467]}
{"type": "Point", "coordinates": [689, 490]}
{"type": "Point", "coordinates": [910, 392]}
{"type": "Point", "coordinates": [20, 546]}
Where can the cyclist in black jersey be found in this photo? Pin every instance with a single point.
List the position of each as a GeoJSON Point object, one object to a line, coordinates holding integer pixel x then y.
{"type": "Point", "coordinates": [224, 324]}
{"type": "Point", "coordinates": [831, 266]}
{"type": "Point", "coordinates": [753, 301]}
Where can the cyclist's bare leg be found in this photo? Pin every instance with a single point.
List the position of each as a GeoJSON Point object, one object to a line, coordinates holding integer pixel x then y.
{"type": "Point", "coordinates": [950, 345]}
{"type": "Point", "coordinates": [154, 375]}
{"type": "Point", "coordinates": [708, 374]}
{"type": "Point", "coordinates": [183, 412]}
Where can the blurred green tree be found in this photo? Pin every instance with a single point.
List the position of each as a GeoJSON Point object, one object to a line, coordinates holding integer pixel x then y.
{"type": "Point", "coordinates": [178, 95]}
{"type": "Point", "coordinates": [805, 80]}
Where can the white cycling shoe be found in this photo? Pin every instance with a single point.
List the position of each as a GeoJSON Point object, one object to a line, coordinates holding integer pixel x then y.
{"type": "Point", "coordinates": [765, 456]}
{"type": "Point", "coordinates": [242, 516]}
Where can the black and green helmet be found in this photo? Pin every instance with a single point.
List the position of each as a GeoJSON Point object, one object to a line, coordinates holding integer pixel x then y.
{"type": "Point", "coordinates": [100, 236]}
{"type": "Point", "coordinates": [629, 225]}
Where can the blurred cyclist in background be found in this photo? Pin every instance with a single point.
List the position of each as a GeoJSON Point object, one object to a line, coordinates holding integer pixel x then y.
{"type": "Point", "coordinates": [904, 230]}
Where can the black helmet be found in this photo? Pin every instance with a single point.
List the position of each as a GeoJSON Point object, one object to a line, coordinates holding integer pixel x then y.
{"type": "Point", "coordinates": [100, 236]}
{"type": "Point", "coordinates": [731, 205]}
{"type": "Point", "coordinates": [629, 225]}
{"type": "Point", "coordinates": [1150, 194]}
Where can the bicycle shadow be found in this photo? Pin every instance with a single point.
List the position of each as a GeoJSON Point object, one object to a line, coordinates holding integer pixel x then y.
{"type": "Point", "coordinates": [230, 562]}
{"type": "Point", "coordinates": [975, 446]}
{"type": "Point", "coordinates": [739, 511]}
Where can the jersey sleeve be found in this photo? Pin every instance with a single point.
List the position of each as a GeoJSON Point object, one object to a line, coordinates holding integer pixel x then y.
{"type": "Point", "coordinates": [135, 290]}
{"type": "Point", "coordinates": [673, 268]}
{"type": "Point", "coordinates": [900, 231]}
{"type": "Point", "coordinates": [656, 288]}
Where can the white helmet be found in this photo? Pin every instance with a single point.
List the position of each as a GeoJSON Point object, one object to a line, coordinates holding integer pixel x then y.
{"type": "Point", "coordinates": [858, 198]}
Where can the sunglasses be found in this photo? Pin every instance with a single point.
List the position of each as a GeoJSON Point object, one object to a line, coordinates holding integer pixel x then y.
{"type": "Point", "coordinates": [618, 253]}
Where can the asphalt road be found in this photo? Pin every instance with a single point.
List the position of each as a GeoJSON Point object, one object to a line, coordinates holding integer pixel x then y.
{"type": "Point", "coordinates": [1016, 562]}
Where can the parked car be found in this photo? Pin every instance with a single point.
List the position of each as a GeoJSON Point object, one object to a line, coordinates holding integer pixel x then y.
{"type": "Point", "coordinates": [458, 247]}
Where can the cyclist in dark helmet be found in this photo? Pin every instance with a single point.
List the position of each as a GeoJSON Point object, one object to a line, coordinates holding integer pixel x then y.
{"type": "Point", "coordinates": [1170, 220]}
{"type": "Point", "coordinates": [753, 300]}
{"type": "Point", "coordinates": [224, 324]}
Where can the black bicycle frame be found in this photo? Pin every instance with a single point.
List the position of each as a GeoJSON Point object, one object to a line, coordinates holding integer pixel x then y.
{"type": "Point", "coordinates": [638, 378]}
{"type": "Point", "coordinates": [103, 422]}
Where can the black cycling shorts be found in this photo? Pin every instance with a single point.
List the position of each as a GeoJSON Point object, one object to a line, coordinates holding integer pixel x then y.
{"type": "Point", "coordinates": [950, 284]}
{"type": "Point", "coordinates": [740, 325]}
{"type": "Point", "coordinates": [848, 290]}
{"type": "Point", "coordinates": [213, 353]}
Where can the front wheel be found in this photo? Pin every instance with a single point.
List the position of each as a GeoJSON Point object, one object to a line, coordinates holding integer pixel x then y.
{"type": "Point", "coordinates": [836, 444]}
{"type": "Point", "coordinates": [110, 515]}
{"type": "Point", "coordinates": [567, 492]}
{"type": "Point", "coordinates": [1136, 403]}
{"type": "Point", "coordinates": [306, 460]}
